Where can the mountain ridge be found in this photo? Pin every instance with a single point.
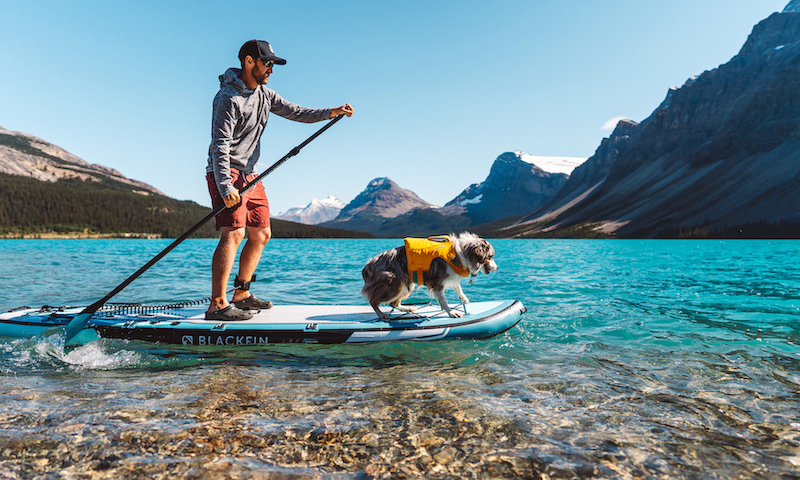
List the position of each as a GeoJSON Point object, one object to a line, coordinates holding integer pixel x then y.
{"type": "Point", "coordinates": [29, 156]}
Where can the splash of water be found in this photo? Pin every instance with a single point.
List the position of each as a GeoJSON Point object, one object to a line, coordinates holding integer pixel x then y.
{"type": "Point", "coordinates": [47, 353]}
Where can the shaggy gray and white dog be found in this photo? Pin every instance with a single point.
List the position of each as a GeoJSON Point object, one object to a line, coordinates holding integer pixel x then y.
{"type": "Point", "coordinates": [387, 280]}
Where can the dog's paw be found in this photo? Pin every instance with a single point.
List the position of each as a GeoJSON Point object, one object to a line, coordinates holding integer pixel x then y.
{"type": "Point", "coordinates": [404, 308]}
{"type": "Point", "coordinates": [455, 314]}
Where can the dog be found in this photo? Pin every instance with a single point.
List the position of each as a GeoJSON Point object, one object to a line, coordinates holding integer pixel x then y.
{"type": "Point", "coordinates": [437, 262]}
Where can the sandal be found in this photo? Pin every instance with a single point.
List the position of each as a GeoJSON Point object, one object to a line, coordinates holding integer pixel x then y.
{"type": "Point", "coordinates": [229, 314]}
{"type": "Point", "coordinates": [253, 303]}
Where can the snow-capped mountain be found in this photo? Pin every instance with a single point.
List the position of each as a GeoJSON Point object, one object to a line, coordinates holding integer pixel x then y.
{"type": "Point", "coordinates": [516, 185]}
{"type": "Point", "coordinates": [793, 7]}
{"type": "Point", "coordinates": [314, 213]}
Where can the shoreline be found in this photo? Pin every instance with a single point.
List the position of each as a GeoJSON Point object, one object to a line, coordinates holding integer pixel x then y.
{"type": "Point", "coordinates": [76, 236]}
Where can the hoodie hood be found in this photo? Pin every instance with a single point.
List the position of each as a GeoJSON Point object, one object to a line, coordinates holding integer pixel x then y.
{"type": "Point", "coordinates": [231, 79]}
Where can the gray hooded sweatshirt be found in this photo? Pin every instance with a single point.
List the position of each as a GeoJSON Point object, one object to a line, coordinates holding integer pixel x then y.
{"type": "Point", "coordinates": [238, 119]}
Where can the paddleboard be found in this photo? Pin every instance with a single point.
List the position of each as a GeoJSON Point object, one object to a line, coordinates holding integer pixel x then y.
{"type": "Point", "coordinates": [328, 324]}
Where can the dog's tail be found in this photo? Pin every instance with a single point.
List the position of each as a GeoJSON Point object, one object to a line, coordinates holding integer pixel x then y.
{"type": "Point", "coordinates": [380, 280]}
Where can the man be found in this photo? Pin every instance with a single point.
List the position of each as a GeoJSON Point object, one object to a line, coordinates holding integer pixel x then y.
{"type": "Point", "coordinates": [240, 112]}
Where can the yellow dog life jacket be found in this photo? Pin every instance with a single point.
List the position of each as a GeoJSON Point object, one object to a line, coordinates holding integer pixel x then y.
{"type": "Point", "coordinates": [421, 252]}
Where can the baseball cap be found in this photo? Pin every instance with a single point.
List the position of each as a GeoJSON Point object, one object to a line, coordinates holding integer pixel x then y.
{"type": "Point", "coordinates": [261, 50]}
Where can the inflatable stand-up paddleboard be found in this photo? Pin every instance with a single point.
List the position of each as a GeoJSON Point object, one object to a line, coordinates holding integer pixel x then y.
{"type": "Point", "coordinates": [186, 324]}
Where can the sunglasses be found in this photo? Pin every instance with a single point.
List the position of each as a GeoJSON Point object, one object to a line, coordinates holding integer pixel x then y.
{"type": "Point", "coordinates": [268, 64]}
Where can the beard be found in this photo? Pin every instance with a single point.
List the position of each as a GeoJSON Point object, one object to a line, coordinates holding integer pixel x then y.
{"type": "Point", "coordinates": [261, 79]}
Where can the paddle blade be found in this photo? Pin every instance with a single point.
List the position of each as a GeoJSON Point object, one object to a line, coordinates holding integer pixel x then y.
{"type": "Point", "coordinates": [76, 325]}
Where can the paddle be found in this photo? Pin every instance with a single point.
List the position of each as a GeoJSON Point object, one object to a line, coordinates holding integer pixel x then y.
{"type": "Point", "coordinates": [80, 321]}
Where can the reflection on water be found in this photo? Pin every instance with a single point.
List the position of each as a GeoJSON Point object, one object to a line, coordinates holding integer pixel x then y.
{"type": "Point", "coordinates": [635, 360]}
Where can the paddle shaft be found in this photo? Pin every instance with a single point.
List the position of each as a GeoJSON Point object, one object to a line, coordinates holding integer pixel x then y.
{"type": "Point", "coordinates": [79, 322]}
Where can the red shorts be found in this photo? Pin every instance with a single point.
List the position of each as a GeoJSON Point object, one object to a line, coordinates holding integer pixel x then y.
{"type": "Point", "coordinates": [253, 211]}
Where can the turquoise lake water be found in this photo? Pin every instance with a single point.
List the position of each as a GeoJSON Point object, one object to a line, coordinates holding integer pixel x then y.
{"type": "Point", "coordinates": [635, 359]}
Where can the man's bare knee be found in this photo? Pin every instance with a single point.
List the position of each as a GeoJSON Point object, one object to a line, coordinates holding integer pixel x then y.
{"type": "Point", "coordinates": [232, 235]}
{"type": "Point", "coordinates": [259, 235]}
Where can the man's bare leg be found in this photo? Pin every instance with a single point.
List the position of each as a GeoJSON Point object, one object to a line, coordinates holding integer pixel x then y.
{"type": "Point", "coordinates": [257, 238]}
{"type": "Point", "coordinates": [222, 264]}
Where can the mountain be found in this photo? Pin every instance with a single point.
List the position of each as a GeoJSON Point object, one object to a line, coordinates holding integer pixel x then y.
{"type": "Point", "coordinates": [316, 212]}
{"type": "Point", "coordinates": [514, 187]}
{"type": "Point", "coordinates": [719, 157]}
{"type": "Point", "coordinates": [382, 201]}
{"type": "Point", "coordinates": [382, 198]}
{"type": "Point", "coordinates": [387, 210]}
{"type": "Point", "coordinates": [29, 156]}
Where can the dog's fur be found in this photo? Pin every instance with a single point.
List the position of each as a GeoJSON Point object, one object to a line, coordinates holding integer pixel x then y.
{"type": "Point", "coordinates": [386, 277]}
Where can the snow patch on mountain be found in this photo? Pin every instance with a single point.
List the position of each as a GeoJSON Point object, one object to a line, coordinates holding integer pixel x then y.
{"type": "Point", "coordinates": [551, 164]}
{"type": "Point", "coordinates": [379, 183]}
{"type": "Point", "coordinates": [472, 201]}
{"type": "Point", "coordinates": [793, 7]}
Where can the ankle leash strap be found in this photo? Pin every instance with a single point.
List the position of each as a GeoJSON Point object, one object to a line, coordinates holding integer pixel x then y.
{"type": "Point", "coordinates": [243, 286]}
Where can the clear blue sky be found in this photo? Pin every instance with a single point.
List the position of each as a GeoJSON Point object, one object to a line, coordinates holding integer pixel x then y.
{"type": "Point", "coordinates": [440, 88]}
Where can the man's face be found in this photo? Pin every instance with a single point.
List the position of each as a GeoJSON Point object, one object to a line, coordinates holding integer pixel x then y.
{"type": "Point", "coordinates": [261, 71]}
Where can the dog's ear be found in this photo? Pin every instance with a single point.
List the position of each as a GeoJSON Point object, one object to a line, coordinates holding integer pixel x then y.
{"type": "Point", "coordinates": [489, 250]}
{"type": "Point", "coordinates": [483, 250]}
